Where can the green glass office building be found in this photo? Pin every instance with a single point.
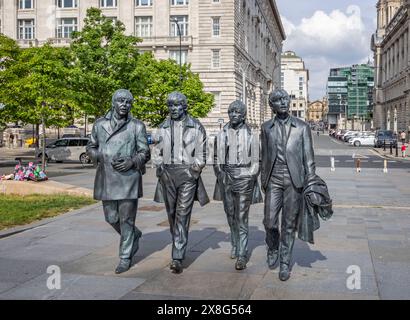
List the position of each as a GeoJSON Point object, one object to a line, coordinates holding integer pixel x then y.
{"type": "Point", "coordinates": [350, 93]}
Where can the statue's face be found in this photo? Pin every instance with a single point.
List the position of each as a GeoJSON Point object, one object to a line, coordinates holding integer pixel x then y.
{"type": "Point", "coordinates": [281, 105]}
{"type": "Point", "coordinates": [177, 110]}
{"type": "Point", "coordinates": [236, 115]}
{"type": "Point", "coordinates": [122, 106]}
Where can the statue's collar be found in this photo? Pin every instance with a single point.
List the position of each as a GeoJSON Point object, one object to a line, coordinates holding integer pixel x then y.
{"type": "Point", "coordinates": [187, 122]}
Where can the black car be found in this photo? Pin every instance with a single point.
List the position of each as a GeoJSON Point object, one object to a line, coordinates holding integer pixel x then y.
{"type": "Point", "coordinates": [384, 136]}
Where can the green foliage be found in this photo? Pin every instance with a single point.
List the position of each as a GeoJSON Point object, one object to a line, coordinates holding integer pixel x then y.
{"type": "Point", "coordinates": [18, 210]}
{"type": "Point", "coordinates": [9, 51]}
{"type": "Point", "coordinates": [105, 59]}
{"type": "Point", "coordinates": [35, 85]}
{"type": "Point", "coordinates": [161, 78]}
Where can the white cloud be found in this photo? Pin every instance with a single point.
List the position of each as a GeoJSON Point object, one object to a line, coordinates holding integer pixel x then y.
{"type": "Point", "coordinates": [328, 40]}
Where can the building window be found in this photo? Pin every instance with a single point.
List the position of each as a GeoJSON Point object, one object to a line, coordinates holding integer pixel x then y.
{"type": "Point", "coordinates": [216, 28]}
{"type": "Point", "coordinates": [174, 55]}
{"type": "Point", "coordinates": [217, 101]}
{"type": "Point", "coordinates": [183, 25]}
{"type": "Point", "coordinates": [65, 27]}
{"type": "Point", "coordinates": [26, 4]}
{"type": "Point", "coordinates": [26, 29]}
{"type": "Point", "coordinates": [216, 58]}
{"type": "Point", "coordinates": [215, 1]}
{"type": "Point", "coordinates": [67, 3]}
{"type": "Point", "coordinates": [179, 2]}
{"type": "Point", "coordinates": [143, 27]}
{"type": "Point", "coordinates": [108, 3]}
{"type": "Point", "coordinates": [140, 3]}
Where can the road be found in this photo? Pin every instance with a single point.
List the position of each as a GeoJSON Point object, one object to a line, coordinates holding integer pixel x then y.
{"type": "Point", "coordinates": [325, 148]}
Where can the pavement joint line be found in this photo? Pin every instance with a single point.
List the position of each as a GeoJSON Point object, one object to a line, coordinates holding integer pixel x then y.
{"type": "Point", "coordinates": [375, 206]}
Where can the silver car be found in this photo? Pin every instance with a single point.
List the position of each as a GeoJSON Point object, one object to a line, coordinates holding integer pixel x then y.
{"type": "Point", "coordinates": [66, 149]}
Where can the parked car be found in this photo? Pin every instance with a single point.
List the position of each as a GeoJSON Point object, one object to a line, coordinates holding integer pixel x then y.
{"type": "Point", "coordinates": [363, 140]}
{"type": "Point", "coordinates": [383, 136]}
{"type": "Point", "coordinates": [66, 149]}
{"type": "Point", "coordinates": [349, 134]}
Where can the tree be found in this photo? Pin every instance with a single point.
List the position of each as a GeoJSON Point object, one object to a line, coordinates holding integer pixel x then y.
{"type": "Point", "coordinates": [35, 88]}
{"type": "Point", "coordinates": [159, 78]}
{"type": "Point", "coordinates": [9, 52]}
{"type": "Point", "coordinates": [104, 60]}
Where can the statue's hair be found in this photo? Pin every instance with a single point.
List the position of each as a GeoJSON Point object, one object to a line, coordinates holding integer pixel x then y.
{"type": "Point", "coordinates": [177, 96]}
{"type": "Point", "coordinates": [276, 94]}
{"type": "Point", "coordinates": [238, 104]}
{"type": "Point", "coordinates": [122, 93]}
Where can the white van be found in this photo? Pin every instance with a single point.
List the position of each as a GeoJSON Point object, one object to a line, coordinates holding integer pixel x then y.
{"type": "Point", "coordinates": [66, 149]}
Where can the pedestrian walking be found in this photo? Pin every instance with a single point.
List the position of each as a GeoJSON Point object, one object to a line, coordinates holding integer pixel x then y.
{"type": "Point", "coordinates": [403, 137]}
{"type": "Point", "coordinates": [403, 150]}
{"type": "Point", "coordinates": [11, 140]}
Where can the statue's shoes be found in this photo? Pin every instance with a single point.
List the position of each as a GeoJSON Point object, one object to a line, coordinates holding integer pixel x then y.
{"type": "Point", "coordinates": [123, 266]}
{"type": "Point", "coordinates": [272, 258]}
{"type": "Point", "coordinates": [135, 245]}
{"type": "Point", "coordinates": [284, 272]}
{"type": "Point", "coordinates": [234, 253]}
{"type": "Point", "coordinates": [240, 263]}
{"type": "Point", "coordinates": [176, 266]}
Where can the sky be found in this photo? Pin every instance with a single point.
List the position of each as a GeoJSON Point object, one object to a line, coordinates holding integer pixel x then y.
{"type": "Point", "coordinates": [328, 34]}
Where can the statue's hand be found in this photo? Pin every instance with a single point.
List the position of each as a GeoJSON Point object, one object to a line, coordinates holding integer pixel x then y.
{"type": "Point", "coordinates": [122, 164]}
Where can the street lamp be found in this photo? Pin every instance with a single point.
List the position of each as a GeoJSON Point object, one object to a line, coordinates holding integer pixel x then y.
{"type": "Point", "coordinates": [175, 20]}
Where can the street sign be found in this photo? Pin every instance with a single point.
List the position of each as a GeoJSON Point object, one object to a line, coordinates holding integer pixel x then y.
{"type": "Point", "coordinates": [220, 120]}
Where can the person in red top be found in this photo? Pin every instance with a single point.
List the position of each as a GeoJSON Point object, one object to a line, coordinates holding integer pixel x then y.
{"type": "Point", "coordinates": [403, 150]}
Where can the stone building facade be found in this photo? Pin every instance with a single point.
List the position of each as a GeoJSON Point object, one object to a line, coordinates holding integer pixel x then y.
{"type": "Point", "coordinates": [234, 45]}
{"type": "Point", "coordinates": [295, 79]}
{"type": "Point", "coordinates": [391, 46]}
{"type": "Point", "coordinates": [317, 111]}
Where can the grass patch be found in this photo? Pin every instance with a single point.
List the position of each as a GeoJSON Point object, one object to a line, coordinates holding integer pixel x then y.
{"type": "Point", "coordinates": [18, 210]}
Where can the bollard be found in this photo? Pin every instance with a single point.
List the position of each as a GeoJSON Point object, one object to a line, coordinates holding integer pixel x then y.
{"type": "Point", "coordinates": [384, 145]}
{"type": "Point", "coordinates": [385, 166]}
{"type": "Point", "coordinates": [332, 164]}
{"type": "Point", "coordinates": [391, 147]}
{"type": "Point", "coordinates": [358, 169]}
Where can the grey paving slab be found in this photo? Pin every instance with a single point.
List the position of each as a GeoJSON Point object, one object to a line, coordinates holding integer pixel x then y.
{"type": "Point", "coordinates": [205, 285]}
{"type": "Point", "coordinates": [47, 252]}
{"type": "Point", "coordinates": [16, 271]}
{"type": "Point", "coordinates": [317, 281]}
{"type": "Point", "coordinates": [144, 296]}
{"type": "Point", "coordinates": [74, 286]}
{"type": "Point", "coordinates": [393, 279]}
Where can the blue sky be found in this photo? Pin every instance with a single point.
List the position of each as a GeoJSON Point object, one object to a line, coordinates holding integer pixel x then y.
{"type": "Point", "coordinates": [328, 33]}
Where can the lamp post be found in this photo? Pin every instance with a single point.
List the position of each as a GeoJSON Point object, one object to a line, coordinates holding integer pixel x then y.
{"type": "Point", "coordinates": [175, 20]}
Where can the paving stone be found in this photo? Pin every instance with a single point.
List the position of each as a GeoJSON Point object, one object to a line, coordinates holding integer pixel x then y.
{"type": "Point", "coordinates": [206, 285]}
{"type": "Point", "coordinates": [74, 286]}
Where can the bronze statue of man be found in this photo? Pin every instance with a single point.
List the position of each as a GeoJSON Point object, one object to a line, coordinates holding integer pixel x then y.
{"type": "Point", "coordinates": [236, 166]}
{"type": "Point", "coordinates": [119, 146]}
{"type": "Point", "coordinates": [181, 156]}
{"type": "Point", "coordinates": [287, 163]}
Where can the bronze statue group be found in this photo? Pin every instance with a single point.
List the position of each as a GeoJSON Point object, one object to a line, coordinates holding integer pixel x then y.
{"type": "Point", "coordinates": [282, 154]}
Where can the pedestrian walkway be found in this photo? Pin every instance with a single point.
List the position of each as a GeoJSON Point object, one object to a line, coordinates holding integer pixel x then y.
{"type": "Point", "coordinates": [386, 153]}
{"type": "Point", "coordinates": [369, 233]}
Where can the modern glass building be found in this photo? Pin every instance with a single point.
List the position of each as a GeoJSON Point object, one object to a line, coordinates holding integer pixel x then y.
{"type": "Point", "coordinates": [360, 85]}
{"type": "Point", "coordinates": [350, 94]}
